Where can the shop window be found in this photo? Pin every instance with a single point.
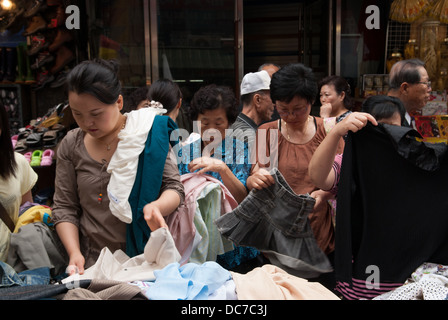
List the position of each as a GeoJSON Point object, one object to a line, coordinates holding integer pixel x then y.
{"type": "Point", "coordinates": [196, 43]}
{"type": "Point", "coordinates": [361, 48]}
{"type": "Point", "coordinates": [116, 31]}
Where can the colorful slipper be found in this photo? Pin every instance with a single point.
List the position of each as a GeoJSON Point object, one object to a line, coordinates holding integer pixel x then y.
{"type": "Point", "coordinates": [36, 158]}
{"type": "Point", "coordinates": [28, 156]}
{"type": "Point", "coordinates": [47, 157]}
{"type": "Point", "coordinates": [14, 139]}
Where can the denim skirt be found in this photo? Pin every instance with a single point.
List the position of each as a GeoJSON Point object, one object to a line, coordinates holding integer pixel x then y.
{"type": "Point", "coordinates": [274, 220]}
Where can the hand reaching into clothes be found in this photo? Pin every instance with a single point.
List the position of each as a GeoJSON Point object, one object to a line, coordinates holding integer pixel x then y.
{"type": "Point", "coordinates": [153, 217]}
{"type": "Point", "coordinates": [76, 264]}
{"type": "Point", "coordinates": [204, 164]}
{"type": "Point", "coordinates": [321, 197]}
{"type": "Point", "coordinates": [260, 179]}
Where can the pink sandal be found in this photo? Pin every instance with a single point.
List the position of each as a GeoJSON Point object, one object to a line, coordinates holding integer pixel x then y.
{"type": "Point", "coordinates": [14, 139]}
{"type": "Point", "coordinates": [47, 158]}
{"type": "Point", "coordinates": [28, 156]}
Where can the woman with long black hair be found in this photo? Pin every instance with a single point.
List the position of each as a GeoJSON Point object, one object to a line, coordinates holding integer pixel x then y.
{"type": "Point", "coordinates": [17, 178]}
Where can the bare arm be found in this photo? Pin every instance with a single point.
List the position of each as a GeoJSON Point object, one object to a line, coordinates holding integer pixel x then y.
{"type": "Point", "coordinates": [154, 211]}
{"type": "Point", "coordinates": [69, 235]}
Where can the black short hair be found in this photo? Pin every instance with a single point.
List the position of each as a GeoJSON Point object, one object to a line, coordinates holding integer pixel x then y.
{"type": "Point", "coordinates": [97, 77]}
{"type": "Point", "coordinates": [213, 97]}
{"type": "Point", "coordinates": [383, 107]}
{"type": "Point", "coordinates": [138, 95]}
{"type": "Point", "coordinates": [293, 80]}
{"type": "Point", "coordinates": [166, 92]}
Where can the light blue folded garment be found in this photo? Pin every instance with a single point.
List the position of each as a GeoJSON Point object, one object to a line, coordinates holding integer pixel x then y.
{"type": "Point", "coordinates": [188, 282]}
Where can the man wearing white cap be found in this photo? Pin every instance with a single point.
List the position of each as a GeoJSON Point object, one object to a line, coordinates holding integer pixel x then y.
{"type": "Point", "coordinates": [257, 106]}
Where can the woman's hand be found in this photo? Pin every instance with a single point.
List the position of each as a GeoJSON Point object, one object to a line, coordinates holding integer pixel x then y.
{"type": "Point", "coordinates": [354, 122]}
{"type": "Point", "coordinates": [260, 179]}
{"type": "Point", "coordinates": [153, 217]}
{"type": "Point", "coordinates": [204, 164]}
{"type": "Point", "coordinates": [325, 110]}
{"type": "Point", "coordinates": [321, 197]}
{"type": "Point", "coordinates": [76, 264]}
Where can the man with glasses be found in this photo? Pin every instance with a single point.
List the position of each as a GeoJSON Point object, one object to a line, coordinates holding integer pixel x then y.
{"type": "Point", "coordinates": [409, 82]}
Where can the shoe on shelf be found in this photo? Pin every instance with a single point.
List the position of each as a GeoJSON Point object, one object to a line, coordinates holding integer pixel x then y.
{"type": "Point", "coordinates": [35, 24]}
{"type": "Point", "coordinates": [14, 139]}
{"type": "Point", "coordinates": [59, 18]}
{"type": "Point", "coordinates": [62, 37]}
{"type": "Point", "coordinates": [60, 79]}
{"type": "Point", "coordinates": [43, 78]}
{"type": "Point", "coordinates": [42, 59]}
{"type": "Point", "coordinates": [36, 158]}
{"type": "Point", "coordinates": [63, 57]}
{"type": "Point", "coordinates": [38, 43]}
{"type": "Point", "coordinates": [28, 156]}
{"type": "Point", "coordinates": [21, 146]}
{"type": "Point", "coordinates": [47, 157]}
{"type": "Point", "coordinates": [34, 7]}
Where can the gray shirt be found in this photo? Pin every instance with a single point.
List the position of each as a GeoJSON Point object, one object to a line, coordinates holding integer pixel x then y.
{"type": "Point", "coordinates": [245, 130]}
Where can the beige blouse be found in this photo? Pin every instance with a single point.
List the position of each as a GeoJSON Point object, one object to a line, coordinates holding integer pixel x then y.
{"type": "Point", "coordinates": [79, 181]}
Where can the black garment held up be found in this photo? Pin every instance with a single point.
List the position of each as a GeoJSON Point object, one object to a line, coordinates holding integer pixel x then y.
{"type": "Point", "coordinates": [392, 206]}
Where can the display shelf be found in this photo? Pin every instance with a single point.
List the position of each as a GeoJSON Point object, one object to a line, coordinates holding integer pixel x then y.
{"type": "Point", "coordinates": [11, 99]}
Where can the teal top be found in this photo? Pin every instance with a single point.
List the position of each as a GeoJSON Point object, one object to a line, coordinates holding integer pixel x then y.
{"type": "Point", "coordinates": [148, 182]}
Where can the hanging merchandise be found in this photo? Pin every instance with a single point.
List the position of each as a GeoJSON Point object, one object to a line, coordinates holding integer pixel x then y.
{"type": "Point", "coordinates": [439, 11]}
{"type": "Point", "coordinates": [429, 47]}
{"type": "Point", "coordinates": [407, 11]}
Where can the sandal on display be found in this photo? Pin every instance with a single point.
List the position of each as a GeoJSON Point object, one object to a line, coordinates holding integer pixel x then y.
{"type": "Point", "coordinates": [47, 158]}
{"type": "Point", "coordinates": [14, 139]}
{"type": "Point", "coordinates": [21, 146]}
{"type": "Point", "coordinates": [28, 156]}
{"type": "Point", "coordinates": [50, 138]}
{"type": "Point", "coordinates": [36, 158]}
{"type": "Point", "coordinates": [24, 134]}
{"type": "Point", "coordinates": [34, 140]}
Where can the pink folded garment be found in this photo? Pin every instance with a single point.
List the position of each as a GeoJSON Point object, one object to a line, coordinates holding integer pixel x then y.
{"type": "Point", "coordinates": [47, 158]}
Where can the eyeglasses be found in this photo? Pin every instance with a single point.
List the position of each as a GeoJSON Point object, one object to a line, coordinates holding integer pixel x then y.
{"type": "Point", "coordinates": [283, 113]}
{"type": "Point", "coordinates": [427, 83]}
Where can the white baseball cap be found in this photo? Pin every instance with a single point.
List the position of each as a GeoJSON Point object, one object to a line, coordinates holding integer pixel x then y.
{"type": "Point", "coordinates": [255, 81]}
